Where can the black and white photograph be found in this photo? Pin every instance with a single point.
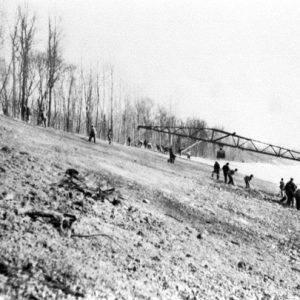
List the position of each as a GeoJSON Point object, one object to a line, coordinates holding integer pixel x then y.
{"type": "Point", "coordinates": [149, 149]}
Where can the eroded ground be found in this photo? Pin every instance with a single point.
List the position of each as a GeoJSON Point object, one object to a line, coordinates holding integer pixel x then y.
{"type": "Point", "coordinates": [166, 232]}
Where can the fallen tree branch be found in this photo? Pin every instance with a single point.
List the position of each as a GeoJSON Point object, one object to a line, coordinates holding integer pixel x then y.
{"type": "Point", "coordinates": [168, 215]}
{"type": "Point", "coordinates": [95, 235]}
{"type": "Point", "coordinates": [60, 221]}
{"type": "Point", "coordinates": [75, 183]}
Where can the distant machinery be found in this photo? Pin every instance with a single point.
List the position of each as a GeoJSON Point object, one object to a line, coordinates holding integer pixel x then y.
{"type": "Point", "coordinates": [224, 138]}
{"type": "Point", "coordinates": [221, 154]}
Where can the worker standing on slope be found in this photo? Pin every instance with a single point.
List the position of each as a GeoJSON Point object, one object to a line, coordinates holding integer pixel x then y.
{"type": "Point", "coordinates": [230, 176]}
{"type": "Point", "coordinates": [290, 189]}
{"type": "Point", "coordinates": [216, 170]}
{"type": "Point", "coordinates": [23, 113]}
{"type": "Point", "coordinates": [172, 156]}
{"type": "Point", "coordinates": [247, 180]}
{"type": "Point", "coordinates": [281, 187]}
{"type": "Point", "coordinates": [179, 151]}
{"type": "Point", "coordinates": [43, 117]}
{"type": "Point", "coordinates": [109, 136]}
{"type": "Point", "coordinates": [92, 134]}
{"type": "Point", "coordinates": [297, 197]}
{"type": "Point", "coordinates": [225, 171]}
{"type": "Point", "coordinates": [188, 155]}
{"type": "Point", "coordinates": [28, 114]}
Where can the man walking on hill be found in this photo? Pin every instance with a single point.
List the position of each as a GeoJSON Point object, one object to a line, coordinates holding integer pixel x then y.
{"type": "Point", "coordinates": [281, 187]}
{"type": "Point", "coordinates": [297, 197]}
{"type": "Point", "coordinates": [109, 136]}
{"type": "Point", "coordinates": [92, 134]}
{"type": "Point", "coordinates": [43, 117]}
{"type": "Point", "coordinates": [172, 156]}
{"type": "Point", "coordinates": [23, 113]}
{"type": "Point", "coordinates": [290, 189]}
{"type": "Point", "coordinates": [188, 155]}
{"type": "Point", "coordinates": [225, 171]}
{"type": "Point", "coordinates": [28, 114]}
{"type": "Point", "coordinates": [216, 170]}
{"type": "Point", "coordinates": [179, 151]}
{"type": "Point", "coordinates": [230, 176]}
{"type": "Point", "coordinates": [247, 180]}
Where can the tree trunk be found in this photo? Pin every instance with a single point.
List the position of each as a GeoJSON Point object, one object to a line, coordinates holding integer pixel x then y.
{"type": "Point", "coordinates": [98, 102]}
{"type": "Point", "coordinates": [50, 104]}
{"type": "Point", "coordinates": [69, 101]}
{"type": "Point", "coordinates": [14, 100]}
{"type": "Point", "coordinates": [111, 103]}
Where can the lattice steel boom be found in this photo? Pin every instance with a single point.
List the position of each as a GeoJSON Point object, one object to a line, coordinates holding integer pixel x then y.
{"type": "Point", "coordinates": [221, 137]}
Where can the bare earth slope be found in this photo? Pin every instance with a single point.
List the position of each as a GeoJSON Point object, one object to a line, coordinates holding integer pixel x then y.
{"type": "Point", "coordinates": [166, 232]}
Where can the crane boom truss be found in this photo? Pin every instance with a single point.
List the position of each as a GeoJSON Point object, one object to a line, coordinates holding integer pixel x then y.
{"type": "Point", "coordinates": [221, 137]}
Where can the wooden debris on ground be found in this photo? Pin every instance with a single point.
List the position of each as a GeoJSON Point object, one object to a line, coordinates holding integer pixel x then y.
{"type": "Point", "coordinates": [62, 222]}
{"type": "Point", "coordinates": [73, 180]}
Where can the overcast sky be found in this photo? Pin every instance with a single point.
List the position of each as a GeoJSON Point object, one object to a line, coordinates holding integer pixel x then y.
{"type": "Point", "coordinates": [234, 63]}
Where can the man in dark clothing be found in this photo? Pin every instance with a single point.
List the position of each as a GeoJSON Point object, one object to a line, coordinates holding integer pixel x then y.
{"type": "Point", "coordinates": [297, 197]}
{"type": "Point", "coordinates": [109, 136]}
{"type": "Point", "coordinates": [230, 176]}
{"type": "Point", "coordinates": [281, 187]}
{"type": "Point", "coordinates": [43, 117]}
{"type": "Point", "coordinates": [247, 180]}
{"type": "Point", "coordinates": [129, 141]}
{"type": "Point", "coordinates": [23, 113]}
{"type": "Point", "coordinates": [290, 189]}
{"type": "Point", "coordinates": [216, 170]}
{"type": "Point", "coordinates": [28, 114]}
{"type": "Point", "coordinates": [225, 171]}
{"type": "Point", "coordinates": [172, 156]}
{"type": "Point", "coordinates": [92, 134]}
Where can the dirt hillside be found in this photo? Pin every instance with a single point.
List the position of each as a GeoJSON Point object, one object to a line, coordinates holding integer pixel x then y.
{"type": "Point", "coordinates": [129, 225]}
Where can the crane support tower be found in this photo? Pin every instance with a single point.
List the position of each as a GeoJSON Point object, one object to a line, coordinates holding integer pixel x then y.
{"type": "Point", "coordinates": [224, 138]}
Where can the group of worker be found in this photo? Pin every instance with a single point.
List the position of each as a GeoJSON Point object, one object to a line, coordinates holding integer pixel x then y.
{"type": "Point", "coordinates": [228, 174]}
{"type": "Point", "coordinates": [26, 113]}
{"type": "Point", "coordinates": [289, 193]}
{"type": "Point", "coordinates": [93, 134]}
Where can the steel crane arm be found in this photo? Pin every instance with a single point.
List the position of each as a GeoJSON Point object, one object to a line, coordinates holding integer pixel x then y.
{"type": "Point", "coordinates": [221, 137]}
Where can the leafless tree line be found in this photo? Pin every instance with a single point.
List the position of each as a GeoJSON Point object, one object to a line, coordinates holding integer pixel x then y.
{"type": "Point", "coordinates": [72, 97]}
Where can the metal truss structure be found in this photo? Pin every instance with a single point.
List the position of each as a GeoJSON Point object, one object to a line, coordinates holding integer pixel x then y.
{"type": "Point", "coordinates": [224, 138]}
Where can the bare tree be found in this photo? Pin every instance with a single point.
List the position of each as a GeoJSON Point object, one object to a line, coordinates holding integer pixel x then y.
{"type": "Point", "coordinates": [81, 96]}
{"type": "Point", "coordinates": [71, 83]}
{"type": "Point", "coordinates": [67, 83]}
{"type": "Point", "coordinates": [4, 70]}
{"type": "Point", "coordinates": [1, 27]}
{"type": "Point", "coordinates": [14, 51]}
{"type": "Point", "coordinates": [98, 101]}
{"type": "Point", "coordinates": [144, 108]}
{"type": "Point", "coordinates": [42, 81]}
{"type": "Point", "coordinates": [54, 61]}
{"type": "Point", "coordinates": [103, 127]}
{"type": "Point", "coordinates": [111, 101]}
{"type": "Point", "coordinates": [4, 91]}
{"type": "Point", "coordinates": [88, 98]}
{"type": "Point", "coordinates": [26, 39]}
{"type": "Point", "coordinates": [129, 117]}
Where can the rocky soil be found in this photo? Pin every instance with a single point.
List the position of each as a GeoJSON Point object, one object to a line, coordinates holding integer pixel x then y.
{"type": "Point", "coordinates": [129, 225]}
